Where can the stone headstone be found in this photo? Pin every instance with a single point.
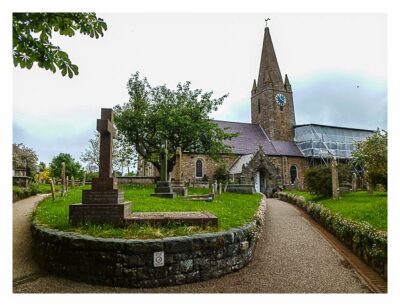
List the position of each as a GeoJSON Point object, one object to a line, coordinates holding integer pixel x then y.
{"type": "Point", "coordinates": [220, 188]}
{"type": "Point", "coordinates": [335, 179]}
{"type": "Point", "coordinates": [164, 163]}
{"type": "Point", "coordinates": [104, 203]}
{"type": "Point", "coordinates": [84, 179]}
{"type": "Point", "coordinates": [66, 183]}
{"type": "Point", "coordinates": [72, 182]}
{"type": "Point", "coordinates": [354, 182]}
{"type": "Point", "coordinates": [178, 164]}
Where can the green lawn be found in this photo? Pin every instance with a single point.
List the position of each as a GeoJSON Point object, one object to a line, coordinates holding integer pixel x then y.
{"type": "Point", "coordinates": [232, 210]}
{"type": "Point", "coordinates": [356, 206]}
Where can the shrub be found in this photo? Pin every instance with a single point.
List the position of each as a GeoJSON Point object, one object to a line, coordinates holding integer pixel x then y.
{"type": "Point", "coordinates": [221, 173]}
{"type": "Point", "coordinates": [20, 193]}
{"type": "Point", "coordinates": [318, 180]}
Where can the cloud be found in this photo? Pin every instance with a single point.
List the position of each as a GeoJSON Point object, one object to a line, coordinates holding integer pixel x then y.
{"type": "Point", "coordinates": [341, 99]}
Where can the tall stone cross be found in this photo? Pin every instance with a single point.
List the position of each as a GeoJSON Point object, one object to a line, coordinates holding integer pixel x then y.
{"type": "Point", "coordinates": [105, 126]}
{"type": "Point", "coordinates": [335, 179]}
{"type": "Point", "coordinates": [164, 162]}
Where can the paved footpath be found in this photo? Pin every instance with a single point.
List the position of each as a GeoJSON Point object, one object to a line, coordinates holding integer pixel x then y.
{"type": "Point", "coordinates": [291, 256]}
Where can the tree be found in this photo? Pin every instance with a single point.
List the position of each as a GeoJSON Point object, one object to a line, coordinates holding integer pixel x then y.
{"type": "Point", "coordinates": [90, 157]}
{"type": "Point", "coordinates": [318, 180]}
{"type": "Point", "coordinates": [32, 33]}
{"type": "Point", "coordinates": [24, 158]}
{"type": "Point", "coordinates": [72, 168]}
{"type": "Point", "coordinates": [154, 115]}
{"type": "Point", "coordinates": [370, 155]}
{"type": "Point", "coordinates": [124, 155]}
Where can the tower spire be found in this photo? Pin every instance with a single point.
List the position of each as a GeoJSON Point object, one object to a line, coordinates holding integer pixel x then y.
{"type": "Point", "coordinates": [288, 87]}
{"type": "Point", "coordinates": [254, 89]}
{"type": "Point", "coordinates": [269, 73]}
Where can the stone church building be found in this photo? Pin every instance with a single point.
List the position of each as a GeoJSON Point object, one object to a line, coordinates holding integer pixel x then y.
{"type": "Point", "coordinates": [271, 150]}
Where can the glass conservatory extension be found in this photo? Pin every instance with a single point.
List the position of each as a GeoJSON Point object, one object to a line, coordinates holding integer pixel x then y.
{"type": "Point", "coordinates": [323, 141]}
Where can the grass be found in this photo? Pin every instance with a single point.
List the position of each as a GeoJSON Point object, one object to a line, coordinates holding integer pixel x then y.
{"type": "Point", "coordinates": [232, 210]}
{"type": "Point", "coordinates": [357, 206]}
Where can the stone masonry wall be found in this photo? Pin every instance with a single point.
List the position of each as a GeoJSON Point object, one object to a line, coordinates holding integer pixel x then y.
{"type": "Point", "coordinates": [130, 262]}
{"type": "Point", "coordinates": [209, 165]}
{"type": "Point", "coordinates": [285, 162]}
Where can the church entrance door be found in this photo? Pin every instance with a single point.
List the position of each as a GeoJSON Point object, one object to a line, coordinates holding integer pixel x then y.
{"type": "Point", "coordinates": [257, 181]}
{"type": "Point", "coordinates": [263, 182]}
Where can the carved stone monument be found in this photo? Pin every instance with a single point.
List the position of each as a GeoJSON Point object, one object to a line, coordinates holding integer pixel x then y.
{"type": "Point", "coordinates": [335, 179]}
{"type": "Point", "coordinates": [163, 187]}
{"type": "Point", "coordinates": [104, 203]}
{"type": "Point", "coordinates": [354, 182]}
{"type": "Point", "coordinates": [178, 186]}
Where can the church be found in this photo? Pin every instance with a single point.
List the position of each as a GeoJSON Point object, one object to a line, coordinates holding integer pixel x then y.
{"type": "Point", "coordinates": [272, 150]}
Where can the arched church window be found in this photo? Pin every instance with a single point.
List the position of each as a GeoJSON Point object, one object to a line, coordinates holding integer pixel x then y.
{"type": "Point", "coordinates": [199, 168]}
{"type": "Point", "coordinates": [293, 174]}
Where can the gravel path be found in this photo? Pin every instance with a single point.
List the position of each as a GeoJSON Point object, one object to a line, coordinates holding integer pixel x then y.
{"type": "Point", "coordinates": [291, 256]}
{"type": "Point", "coordinates": [22, 260]}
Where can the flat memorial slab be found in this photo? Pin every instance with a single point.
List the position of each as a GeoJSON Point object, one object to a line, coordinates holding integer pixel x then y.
{"type": "Point", "coordinates": [200, 218]}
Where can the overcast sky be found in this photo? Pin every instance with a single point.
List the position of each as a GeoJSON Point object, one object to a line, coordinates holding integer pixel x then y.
{"type": "Point", "coordinates": [336, 64]}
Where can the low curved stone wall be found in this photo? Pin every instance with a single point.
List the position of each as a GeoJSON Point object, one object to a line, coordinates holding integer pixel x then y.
{"type": "Point", "coordinates": [131, 262]}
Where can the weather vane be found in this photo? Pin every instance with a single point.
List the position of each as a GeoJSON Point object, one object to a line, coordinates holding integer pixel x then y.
{"type": "Point", "coordinates": [266, 22]}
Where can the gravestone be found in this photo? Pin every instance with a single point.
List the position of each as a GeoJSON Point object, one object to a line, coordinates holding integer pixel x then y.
{"type": "Point", "coordinates": [104, 203]}
{"type": "Point", "coordinates": [72, 182]}
{"type": "Point", "coordinates": [335, 179]}
{"type": "Point", "coordinates": [178, 186]}
{"type": "Point", "coordinates": [163, 187]}
{"type": "Point", "coordinates": [84, 179]}
{"type": "Point", "coordinates": [354, 182]}
{"type": "Point", "coordinates": [66, 183]}
{"type": "Point", "coordinates": [220, 188]}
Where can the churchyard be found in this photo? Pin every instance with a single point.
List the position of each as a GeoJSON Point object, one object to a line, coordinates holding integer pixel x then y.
{"type": "Point", "coordinates": [232, 210]}
{"type": "Point", "coordinates": [357, 206]}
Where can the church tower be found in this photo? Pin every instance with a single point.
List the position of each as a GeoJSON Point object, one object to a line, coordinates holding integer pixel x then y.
{"type": "Point", "coordinates": [271, 98]}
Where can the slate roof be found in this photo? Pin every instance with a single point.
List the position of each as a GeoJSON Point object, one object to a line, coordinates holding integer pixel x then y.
{"type": "Point", "coordinates": [252, 136]}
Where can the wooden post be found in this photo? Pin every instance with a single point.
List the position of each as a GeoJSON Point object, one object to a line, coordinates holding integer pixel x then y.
{"type": "Point", "coordinates": [63, 179]}
{"type": "Point", "coordinates": [53, 190]}
{"type": "Point", "coordinates": [84, 179]}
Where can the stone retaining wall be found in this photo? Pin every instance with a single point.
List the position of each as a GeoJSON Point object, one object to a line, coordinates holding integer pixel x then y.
{"type": "Point", "coordinates": [131, 262]}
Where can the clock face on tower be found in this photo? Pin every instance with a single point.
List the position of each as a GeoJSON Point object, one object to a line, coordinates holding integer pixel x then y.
{"type": "Point", "coordinates": [280, 99]}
